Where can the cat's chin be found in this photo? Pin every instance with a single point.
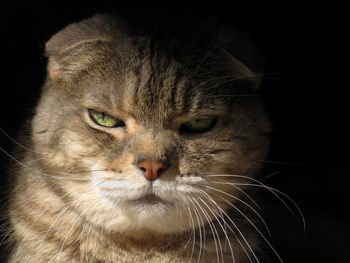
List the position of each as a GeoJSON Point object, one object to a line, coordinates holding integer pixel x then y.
{"type": "Point", "coordinates": [150, 206]}
{"type": "Point", "coordinates": [148, 212]}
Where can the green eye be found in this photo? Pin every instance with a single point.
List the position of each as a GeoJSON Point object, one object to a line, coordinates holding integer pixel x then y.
{"type": "Point", "coordinates": [198, 125]}
{"type": "Point", "coordinates": [105, 120]}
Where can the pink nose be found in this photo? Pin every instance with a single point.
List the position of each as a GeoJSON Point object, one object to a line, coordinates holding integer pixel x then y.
{"type": "Point", "coordinates": [152, 168]}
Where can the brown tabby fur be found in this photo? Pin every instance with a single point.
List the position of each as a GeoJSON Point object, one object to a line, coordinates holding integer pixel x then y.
{"type": "Point", "coordinates": [74, 195]}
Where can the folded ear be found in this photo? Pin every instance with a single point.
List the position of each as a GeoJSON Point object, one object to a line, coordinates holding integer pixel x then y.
{"type": "Point", "coordinates": [243, 56]}
{"type": "Point", "coordinates": [72, 49]}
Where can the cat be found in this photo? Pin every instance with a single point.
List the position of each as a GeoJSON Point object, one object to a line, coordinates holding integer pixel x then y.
{"type": "Point", "coordinates": [143, 146]}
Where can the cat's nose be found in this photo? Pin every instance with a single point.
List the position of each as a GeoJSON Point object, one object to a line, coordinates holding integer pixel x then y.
{"type": "Point", "coordinates": [152, 168]}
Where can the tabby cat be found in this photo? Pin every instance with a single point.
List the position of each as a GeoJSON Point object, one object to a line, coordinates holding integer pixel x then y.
{"type": "Point", "coordinates": [143, 147]}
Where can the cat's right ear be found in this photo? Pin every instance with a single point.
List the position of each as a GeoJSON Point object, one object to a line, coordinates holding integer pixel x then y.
{"type": "Point", "coordinates": [245, 59]}
{"type": "Point", "coordinates": [72, 49]}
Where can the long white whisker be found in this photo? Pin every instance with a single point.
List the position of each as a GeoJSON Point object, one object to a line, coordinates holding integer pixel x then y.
{"type": "Point", "coordinates": [272, 174]}
{"type": "Point", "coordinates": [71, 228]}
{"type": "Point", "coordinates": [88, 234]}
{"type": "Point", "coordinates": [236, 227]}
{"type": "Point", "coordinates": [215, 236]}
{"type": "Point", "coordinates": [280, 259]}
{"type": "Point", "coordinates": [59, 216]}
{"type": "Point", "coordinates": [39, 172]}
{"type": "Point", "coordinates": [203, 227]}
{"type": "Point", "coordinates": [281, 163]}
{"type": "Point", "coordinates": [185, 209]}
{"type": "Point", "coordinates": [223, 229]}
{"type": "Point", "coordinates": [14, 141]}
{"type": "Point", "coordinates": [213, 201]}
{"type": "Point", "coordinates": [200, 230]}
{"type": "Point", "coordinates": [193, 225]}
{"type": "Point", "coordinates": [273, 191]}
{"type": "Point", "coordinates": [248, 196]}
{"type": "Point", "coordinates": [37, 218]}
{"type": "Point", "coordinates": [260, 217]}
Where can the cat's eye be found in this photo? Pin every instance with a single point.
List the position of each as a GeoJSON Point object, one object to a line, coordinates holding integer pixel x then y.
{"type": "Point", "coordinates": [104, 119]}
{"type": "Point", "coordinates": [198, 125]}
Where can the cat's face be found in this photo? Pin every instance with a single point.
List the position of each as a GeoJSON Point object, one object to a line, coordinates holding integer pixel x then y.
{"type": "Point", "coordinates": [107, 106]}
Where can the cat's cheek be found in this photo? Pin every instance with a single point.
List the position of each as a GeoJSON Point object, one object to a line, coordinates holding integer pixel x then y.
{"type": "Point", "coordinates": [77, 146]}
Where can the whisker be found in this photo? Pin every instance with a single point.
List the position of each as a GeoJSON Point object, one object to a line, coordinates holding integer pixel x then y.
{"type": "Point", "coordinates": [193, 225]}
{"type": "Point", "coordinates": [37, 218]}
{"type": "Point", "coordinates": [273, 191]}
{"type": "Point", "coordinates": [200, 231]}
{"type": "Point", "coordinates": [280, 259]}
{"type": "Point", "coordinates": [215, 236]}
{"type": "Point", "coordinates": [273, 174]}
{"type": "Point", "coordinates": [88, 234]}
{"type": "Point", "coordinates": [240, 200]}
{"type": "Point", "coordinates": [185, 209]}
{"type": "Point", "coordinates": [238, 230]}
{"type": "Point", "coordinates": [14, 141]}
{"type": "Point", "coordinates": [213, 83]}
{"type": "Point", "coordinates": [277, 162]}
{"type": "Point", "coordinates": [6, 232]}
{"type": "Point", "coordinates": [39, 172]}
{"type": "Point", "coordinates": [71, 228]}
{"type": "Point", "coordinates": [223, 229]}
{"type": "Point", "coordinates": [206, 56]}
{"type": "Point", "coordinates": [234, 95]}
{"type": "Point", "coordinates": [248, 196]}
{"type": "Point", "coordinates": [68, 207]}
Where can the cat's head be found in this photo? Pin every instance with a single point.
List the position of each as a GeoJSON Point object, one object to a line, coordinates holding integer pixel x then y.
{"type": "Point", "coordinates": [141, 129]}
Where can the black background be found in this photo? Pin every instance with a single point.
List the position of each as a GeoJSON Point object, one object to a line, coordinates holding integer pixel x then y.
{"type": "Point", "coordinates": [304, 88]}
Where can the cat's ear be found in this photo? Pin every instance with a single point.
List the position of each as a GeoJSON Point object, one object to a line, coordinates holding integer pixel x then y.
{"type": "Point", "coordinates": [241, 72]}
{"type": "Point", "coordinates": [72, 49]}
{"type": "Point", "coordinates": [245, 59]}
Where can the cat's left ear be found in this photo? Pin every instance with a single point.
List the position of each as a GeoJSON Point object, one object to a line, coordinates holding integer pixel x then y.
{"type": "Point", "coordinates": [244, 58]}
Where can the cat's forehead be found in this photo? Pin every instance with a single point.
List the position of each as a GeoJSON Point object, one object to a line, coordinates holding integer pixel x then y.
{"type": "Point", "coordinates": [154, 88]}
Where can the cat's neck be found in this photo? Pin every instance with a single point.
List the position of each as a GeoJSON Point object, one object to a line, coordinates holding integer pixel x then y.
{"type": "Point", "coordinates": [102, 245]}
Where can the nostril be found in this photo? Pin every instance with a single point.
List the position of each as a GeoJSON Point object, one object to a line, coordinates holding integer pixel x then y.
{"type": "Point", "coordinates": [152, 168]}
